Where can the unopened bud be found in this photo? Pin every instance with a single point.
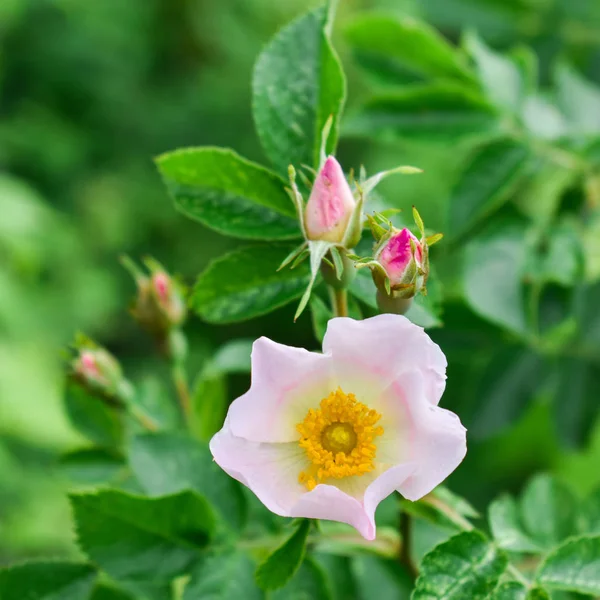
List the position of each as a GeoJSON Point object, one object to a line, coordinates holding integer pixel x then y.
{"type": "Point", "coordinates": [402, 258]}
{"type": "Point", "coordinates": [96, 369]}
{"type": "Point", "coordinates": [330, 205]}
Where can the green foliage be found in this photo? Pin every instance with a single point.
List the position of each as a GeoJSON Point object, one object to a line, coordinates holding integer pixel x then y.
{"type": "Point", "coordinates": [91, 466]}
{"type": "Point", "coordinates": [512, 590]}
{"type": "Point", "coordinates": [574, 566]}
{"type": "Point", "coordinates": [47, 581]}
{"type": "Point", "coordinates": [309, 582]}
{"type": "Point", "coordinates": [142, 539]}
{"type": "Point", "coordinates": [298, 83]}
{"type": "Point", "coordinates": [229, 194]}
{"type": "Point", "coordinates": [466, 566]}
{"type": "Point", "coordinates": [170, 463]}
{"type": "Point", "coordinates": [245, 284]}
{"type": "Point", "coordinates": [281, 565]}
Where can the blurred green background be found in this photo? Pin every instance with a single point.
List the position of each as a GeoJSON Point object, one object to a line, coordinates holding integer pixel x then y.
{"type": "Point", "coordinates": [90, 92]}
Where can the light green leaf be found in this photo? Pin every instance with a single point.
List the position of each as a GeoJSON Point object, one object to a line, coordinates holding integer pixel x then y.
{"type": "Point", "coordinates": [318, 250]}
{"type": "Point", "coordinates": [142, 539]}
{"type": "Point", "coordinates": [466, 566]}
{"type": "Point", "coordinates": [499, 75]}
{"type": "Point", "coordinates": [436, 112]}
{"type": "Point", "coordinates": [229, 194]}
{"type": "Point", "coordinates": [209, 403]}
{"type": "Point", "coordinates": [233, 357]}
{"type": "Point", "coordinates": [414, 45]}
{"type": "Point", "coordinates": [548, 510]}
{"type": "Point", "coordinates": [309, 583]}
{"type": "Point", "coordinates": [574, 566]}
{"type": "Point", "coordinates": [282, 564]}
{"type": "Point", "coordinates": [245, 284]}
{"type": "Point", "coordinates": [492, 174]}
{"type": "Point", "coordinates": [579, 99]}
{"type": "Point", "coordinates": [47, 581]}
{"type": "Point", "coordinates": [298, 83]}
{"type": "Point", "coordinates": [506, 527]}
{"type": "Point", "coordinates": [167, 463]}
{"type": "Point", "coordinates": [492, 275]}
{"type": "Point", "coordinates": [225, 575]}
{"type": "Point", "coordinates": [542, 118]}
{"type": "Point", "coordinates": [512, 590]}
{"type": "Point", "coordinates": [92, 466]}
{"type": "Point", "coordinates": [92, 417]}
{"type": "Point", "coordinates": [155, 399]}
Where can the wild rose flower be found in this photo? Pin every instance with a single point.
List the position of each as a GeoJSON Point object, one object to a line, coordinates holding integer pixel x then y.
{"type": "Point", "coordinates": [330, 205]}
{"type": "Point", "coordinates": [329, 436]}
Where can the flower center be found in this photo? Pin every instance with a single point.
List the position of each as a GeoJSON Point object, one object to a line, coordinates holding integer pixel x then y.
{"type": "Point", "coordinates": [338, 439]}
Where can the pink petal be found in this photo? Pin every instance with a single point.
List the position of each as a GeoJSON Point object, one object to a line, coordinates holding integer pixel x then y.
{"type": "Point", "coordinates": [286, 382]}
{"type": "Point", "coordinates": [381, 348]}
{"type": "Point", "coordinates": [269, 470]}
{"type": "Point", "coordinates": [436, 439]}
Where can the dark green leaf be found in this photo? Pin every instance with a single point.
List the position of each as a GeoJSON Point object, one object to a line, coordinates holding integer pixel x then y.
{"type": "Point", "coordinates": [492, 275]}
{"type": "Point", "coordinates": [574, 566]}
{"type": "Point", "coordinates": [416, 46]}
{"type": "Point", "coordinates": [47, 581]}
{"type": "Point", "coordinates": [92, 417]}
{"type": "Point", "coordinates": [381, 579]}
{"type": "Point", "coordinates": [92, 466]}
{"type": "Point", "coordinates": [309, 583]}
{"type": "Point", "coordinates": [245, 284]}
{"type": "Point", "coordinates": [223, 576]}
{"type": "Point", "coordinates": [229, 194]}
{"type": "Point", "coordinates": [136, 538]}
{"type": "Point", "coordinates": [108, 592]}
{"type": "Point", "coordinates": [436, 112]}
{"type": "Point", "coordinates": [548, 510]}
{"type": "Point", "coordinates": [506, 526]}
{"type": "Point", "coordinates": [282, 564]}
{"type": "Point", "coordinates": [591, 513]}
{"type": "Point", "coordinates": [508, 385]}
{"type": "Point", "coordinates": [499, 75]}
{"type": "Point", "coordinates": [298, 83]}
{"type": "Point", "coordinates": [338, 569]}
{"type": "Point", "coordinates": [492, 173]}
{"type": "Point", "coordinates": [167, 463]}
{"type": "Point", "coordinates": [512, 590]}
{"type": "Point", "coordinates": [466, 566]}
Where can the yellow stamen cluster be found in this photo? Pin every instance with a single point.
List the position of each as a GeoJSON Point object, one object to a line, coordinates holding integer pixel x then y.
{"type": "Point", "coordinates": [338, 439]}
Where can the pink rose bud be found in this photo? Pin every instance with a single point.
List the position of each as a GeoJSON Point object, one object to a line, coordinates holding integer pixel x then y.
{"type": "Point", "coordinates": [169, 298]}
{"type": "Point", "coordinates": [97, 369]}
{"type": "Point", "coordinates": [396, 257]}
{"type": "Point", "coordinates": [330, 204]}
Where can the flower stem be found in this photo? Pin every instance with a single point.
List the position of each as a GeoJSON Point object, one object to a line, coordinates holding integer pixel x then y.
{"type": "Point", "coordinates": [406, 544]}
{"type": "Point", "coordinates": [339, 302]}
{"type": "Point", "coordinates": [183, 391]}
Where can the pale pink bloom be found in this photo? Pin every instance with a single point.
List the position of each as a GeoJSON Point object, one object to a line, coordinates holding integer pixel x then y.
{"type": "Point", "coordinates": [392, 368]}
{"type": "Point", "coordinates": [396, 255]}
{"type": "Point", "coordinates": [330, 204]}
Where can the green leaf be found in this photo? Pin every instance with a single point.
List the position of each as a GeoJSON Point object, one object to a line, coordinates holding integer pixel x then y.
{"type": "Point", "coordinates": [92, 466]}
{"type": "Point", "coordinates": [338, 569]}
{"type": "Point", "coordinates": [380, 579]}
{"type": "Point", "coordinates": [229, 194]}
{"type": "Point", "coordinates": [309, 583]}
{"type": "Point", "coordinates": [282, 564]}
{"type": "Point", "coordinates": [233, 357]}
{"type": "Point", "coordinates": [574, 566]}
{"type": "Point", "coordinates": [512, 590]}
{"type": "Point", "coordinates": [223, 576]}
{"type": "Point", "coordinates": [136, 538]}
{"type": "Point", "coordinates": [492, 276]}
{"type": "Point", "coordinates": [499, 75]}
{"type": "Point", "coordinates": [548, 510]}
{"type": "Point", "coordinates": [245, 284]}
{"type": "Point", "coordinates": [466, 566]}
{"type": "Point", "coordinates": [506, 526]}
{"type": "Point", "coordinates": [154, 399]}
{"type": "Point", "coordinates": [492, 173]}
{"type": "Point", "coordinates": [92, 417]}
{"type": "Point", "coordinates": [415, 45]}
{"type": "Point", "coordinates": [167, 463]}
{"type": "Point", "coordinates": [579, 99]}
{"type": "Point", "coordinates": [591, 513]}
{"type": "Point", "coordinates": [508, 384]}
{"type": "Point", "coordinates": [47, 581]}
{"type": "Point", "coordinates": [109, 592]}
{"type": "Point", "coordinates": [209, 403]}
{"type": "Point", "coordinates": [318, 250]}
{"type": "Point", "coordinates": [435, 112]}
{"type": "Point", "coordinates": [298, 83]}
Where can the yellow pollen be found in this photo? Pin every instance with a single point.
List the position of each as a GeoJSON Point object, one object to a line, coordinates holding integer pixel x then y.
{"type": "Point", "coordinates": [338, 439]}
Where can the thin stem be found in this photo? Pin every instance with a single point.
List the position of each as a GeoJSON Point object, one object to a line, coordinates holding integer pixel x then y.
{"type": "Point", "coordinates": [406, 544]}
{"type": "Point", "coordinates": [339, 301]}
{"type": "Point", "coordinates": [144, 420]}
{"type": "Point", "coordinates": [125, 394]}
{"type": "Point", "coordinates": [183, 390]}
